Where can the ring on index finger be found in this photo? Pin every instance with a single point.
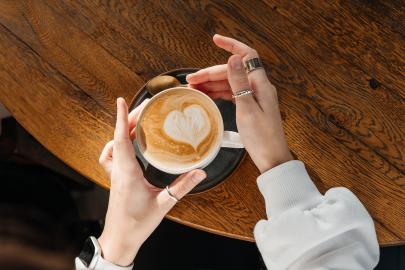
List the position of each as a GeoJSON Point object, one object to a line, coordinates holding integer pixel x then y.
{"type": "Point", "coordinates": [253, 64]}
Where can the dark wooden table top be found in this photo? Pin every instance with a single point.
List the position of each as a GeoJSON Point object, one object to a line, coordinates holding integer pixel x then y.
{"type": "Point", "coordinates": [338, 67]}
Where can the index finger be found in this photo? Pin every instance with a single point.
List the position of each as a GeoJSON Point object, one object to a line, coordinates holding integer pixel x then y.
{"type": "Point", "coordinates": [258, 77]}
{"type": "Point", "coordinates": [235, 47]}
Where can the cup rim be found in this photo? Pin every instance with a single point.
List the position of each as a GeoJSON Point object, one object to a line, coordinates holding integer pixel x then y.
{"type": "Point", "coordinates": [202, 163]}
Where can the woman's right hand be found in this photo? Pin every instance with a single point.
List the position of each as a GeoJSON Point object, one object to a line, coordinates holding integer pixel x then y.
{"type": "Point", "coordinates": [257, 116]}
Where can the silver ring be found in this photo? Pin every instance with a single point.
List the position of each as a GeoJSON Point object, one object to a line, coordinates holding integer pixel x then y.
{"type": "Point", "coordinates": [242, 93]}
{"type": "Point", "coordinates": [170, 194]}
{"type": "Point", "coordinates": [252, 64]}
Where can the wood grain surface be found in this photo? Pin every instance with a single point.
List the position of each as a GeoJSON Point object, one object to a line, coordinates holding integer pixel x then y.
{"type": "Point", "coordinates": [338, 67]}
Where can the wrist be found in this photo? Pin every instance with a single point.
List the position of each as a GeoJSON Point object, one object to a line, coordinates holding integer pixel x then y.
{"type": "Point", "coordinates": [119, 250]}
{"type": "Point", "coordinates": [274, 163]}
{"type": "Point", "coordinates": [277, 158]}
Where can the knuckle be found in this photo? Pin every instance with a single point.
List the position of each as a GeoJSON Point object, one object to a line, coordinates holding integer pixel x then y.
{"type": "Point", "coordinates": [241, 81]}
{"type": "Point", "coordinates": [232, 47]}
{"type": "Point", "coordinates": [181, 191]}
{"type": "Point", "coordinates": [246, 115]}
{"type": "Point", "coordinates": [252, 53]}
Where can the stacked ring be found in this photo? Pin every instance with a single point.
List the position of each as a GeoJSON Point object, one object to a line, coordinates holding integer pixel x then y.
{"type": "Point", "coordinates": [243, 93]}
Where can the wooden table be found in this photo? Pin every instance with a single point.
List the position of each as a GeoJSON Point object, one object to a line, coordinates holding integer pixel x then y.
{"type": "Point", "coordinates": [338, 68]}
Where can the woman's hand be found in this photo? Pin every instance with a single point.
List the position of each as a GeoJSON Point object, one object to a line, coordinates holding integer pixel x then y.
{"type": "Point", "coordinates": [257, 116]}
{"type": "Point", "coordinates": [135, 207]}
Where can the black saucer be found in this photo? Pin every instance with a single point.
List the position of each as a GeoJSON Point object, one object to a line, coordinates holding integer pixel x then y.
{"type": "Point", "coordinates": [220, 168]}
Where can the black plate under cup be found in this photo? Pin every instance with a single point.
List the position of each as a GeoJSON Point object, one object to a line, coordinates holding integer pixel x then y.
{"type": "Point", "coordinates": [227, 160]}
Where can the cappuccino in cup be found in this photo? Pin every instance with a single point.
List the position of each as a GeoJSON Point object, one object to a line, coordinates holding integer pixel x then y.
{"type": "Point", "coordinates": [180, 129]}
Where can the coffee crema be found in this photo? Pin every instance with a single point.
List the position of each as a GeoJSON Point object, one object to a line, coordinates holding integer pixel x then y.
{"type": "Point", "coordinates": [179, 128]}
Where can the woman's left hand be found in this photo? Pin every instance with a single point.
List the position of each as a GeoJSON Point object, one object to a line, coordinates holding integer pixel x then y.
{"type": "Point", "coordinates": [257, 116]}
{"type": "Point", "coordinates": [135, 207]}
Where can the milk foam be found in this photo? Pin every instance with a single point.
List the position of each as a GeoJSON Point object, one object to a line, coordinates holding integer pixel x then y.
{"type": "Point", "coordinates": [191, 125]}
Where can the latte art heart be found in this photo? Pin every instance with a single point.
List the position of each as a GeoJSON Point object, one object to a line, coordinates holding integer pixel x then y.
{"type": "Point", "coordinates": [190, 126]}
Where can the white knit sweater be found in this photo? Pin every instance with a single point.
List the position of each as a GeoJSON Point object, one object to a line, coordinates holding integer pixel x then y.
{"type": "Point", "coordinates": [306, 230]}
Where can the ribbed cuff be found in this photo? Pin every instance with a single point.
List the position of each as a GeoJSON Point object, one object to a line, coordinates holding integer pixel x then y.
{"type": "Point", "coordinates": [287, 186]}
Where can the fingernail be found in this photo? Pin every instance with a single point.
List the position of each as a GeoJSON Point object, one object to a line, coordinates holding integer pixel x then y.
{"type": "Point", "coordinates": [236, 63]}
{"type": "Point", "coordinates": [198, 176]}
{"type": "Point", "coordinates": [188, 76]}
{"type": "Point", "coordinates": [132, 134]}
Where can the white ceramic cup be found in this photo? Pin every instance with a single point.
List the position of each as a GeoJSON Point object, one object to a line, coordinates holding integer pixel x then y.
{"type": "Point", "coordinates": [229, 139]}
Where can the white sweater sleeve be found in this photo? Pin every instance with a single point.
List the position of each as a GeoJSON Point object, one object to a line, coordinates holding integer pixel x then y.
{"type": "Point", "coordinates": [306, 230]}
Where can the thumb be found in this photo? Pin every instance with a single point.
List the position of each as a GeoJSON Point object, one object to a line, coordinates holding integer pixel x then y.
{"type": "Point", "coordinates": [180, 187]}
{"type": "Point", "coordinates": [239, 81]}
{"type": "Point", "coordinates": [186, 182]}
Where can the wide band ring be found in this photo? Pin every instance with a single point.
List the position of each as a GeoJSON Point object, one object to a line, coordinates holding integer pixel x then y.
{"type": "Point", "coordinates": [171, 194]}
{"type": "Point", "coordinates": [252, 64]}
{"type": "Point", "coordinates": [243, 93]}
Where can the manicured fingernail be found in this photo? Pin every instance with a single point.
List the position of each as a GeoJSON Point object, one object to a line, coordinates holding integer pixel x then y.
{"type": "Point", "coordinates": [236, 63]}
{"type": "Point", "coordinates": [198, 176]}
